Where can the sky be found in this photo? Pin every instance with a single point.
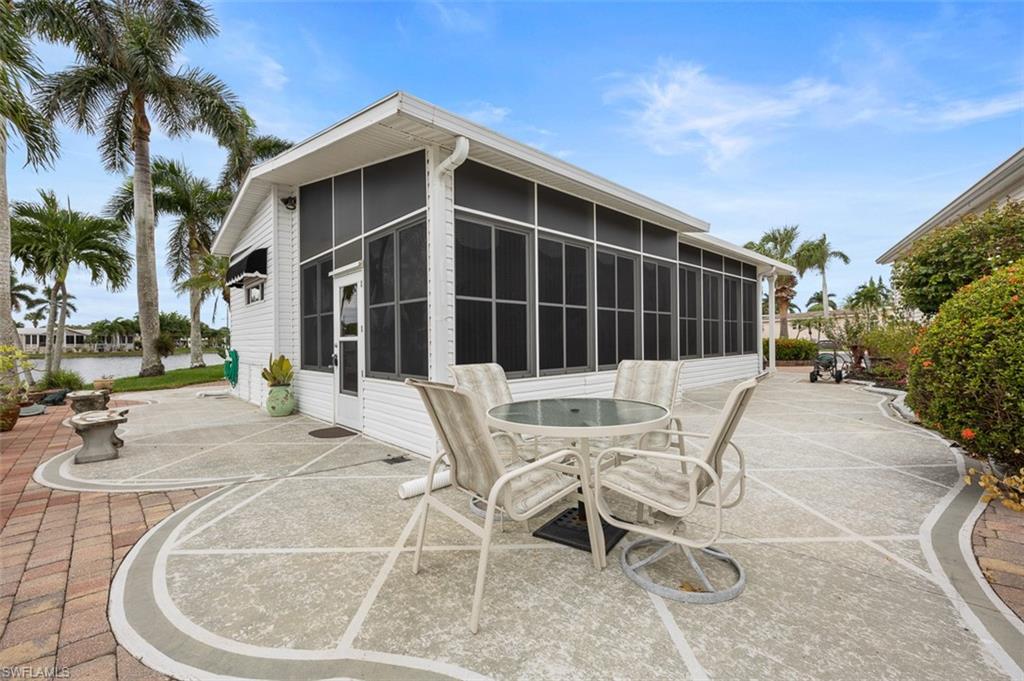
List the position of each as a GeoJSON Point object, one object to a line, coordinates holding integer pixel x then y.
{"type": "Point", "coordinates": [859, 121]}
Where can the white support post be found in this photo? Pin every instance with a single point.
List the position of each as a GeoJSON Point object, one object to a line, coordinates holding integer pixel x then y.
{"type": "Point", "coordinates": [760, 326]}
{"type": "Point", "coordinates": [771, 322]}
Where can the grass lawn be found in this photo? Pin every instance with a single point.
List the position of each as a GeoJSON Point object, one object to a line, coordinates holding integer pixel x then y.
{"type": "Point", "coordinates": [175, 378]}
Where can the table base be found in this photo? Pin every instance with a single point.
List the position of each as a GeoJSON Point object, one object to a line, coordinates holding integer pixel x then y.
{"type": "Point", "coordinates": [570, 529]}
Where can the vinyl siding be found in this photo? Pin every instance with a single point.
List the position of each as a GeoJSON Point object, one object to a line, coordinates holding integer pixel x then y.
{"type": "Point", "coordinates": [252, 326]}
{"type": "Point", "coordinates": [393, 413]}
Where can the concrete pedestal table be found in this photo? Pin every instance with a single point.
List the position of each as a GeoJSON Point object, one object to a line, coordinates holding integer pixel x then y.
{"type": "Point", "coordinates": [88, 400]}
{"type": "Point", "coordinates": [98, 431]}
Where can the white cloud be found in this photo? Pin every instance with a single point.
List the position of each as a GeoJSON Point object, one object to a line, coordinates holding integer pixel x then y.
{"type": "Point", "coordinates": [682, 108]}
{"type": "Point", "coordinates": [679, 107]}
{"type": "Point", "coordinates": [486, 113]}
{"type": "Point", "coordinates": [456, 18]}
{"type": "Point", "coordinates": [243, 45]}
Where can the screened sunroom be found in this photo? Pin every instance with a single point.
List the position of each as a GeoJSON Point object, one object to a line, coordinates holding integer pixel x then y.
{"type": "Point", "coordinates": [405, 239]}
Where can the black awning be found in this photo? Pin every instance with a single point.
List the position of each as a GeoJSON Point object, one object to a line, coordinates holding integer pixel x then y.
{"type": "Point", "coordinates": [253, 264]}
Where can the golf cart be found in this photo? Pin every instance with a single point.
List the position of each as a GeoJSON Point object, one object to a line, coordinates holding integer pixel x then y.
{"type": "Point", "coordinates": [830, 363]}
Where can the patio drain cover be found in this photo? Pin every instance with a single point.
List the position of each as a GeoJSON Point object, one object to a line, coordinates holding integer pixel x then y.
{"type": "Point", "coordinates": [333, 431]}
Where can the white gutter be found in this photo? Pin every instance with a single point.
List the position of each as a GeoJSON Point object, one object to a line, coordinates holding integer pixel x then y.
{"type": "Point", "coordinates": [457, 158]}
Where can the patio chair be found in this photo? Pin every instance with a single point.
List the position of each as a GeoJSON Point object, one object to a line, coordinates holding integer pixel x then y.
{"type": "Point", "coordinates": [476, 469]}
{"type": "Point", "coordinates": [674, 486]}
{"type": "Point", "coordinates": [654, 381]}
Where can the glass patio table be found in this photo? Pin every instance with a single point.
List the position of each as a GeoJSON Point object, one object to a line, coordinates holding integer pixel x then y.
{"type": "Point", "coordinates": [579, 419]}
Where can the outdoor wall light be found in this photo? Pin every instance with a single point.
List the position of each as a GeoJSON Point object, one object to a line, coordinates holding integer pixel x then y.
{"type": "Point", "coordinates": [289, 202]}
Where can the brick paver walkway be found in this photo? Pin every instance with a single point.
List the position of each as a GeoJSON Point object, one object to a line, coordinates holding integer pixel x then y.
{"type": "Point", "coordinates": [999, 545]}
{"type": "Point", "coordinates": [58, 554]}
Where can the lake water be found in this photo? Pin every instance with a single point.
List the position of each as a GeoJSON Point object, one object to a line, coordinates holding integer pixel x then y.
{"type": "Point", "coordinates": [92, 368]}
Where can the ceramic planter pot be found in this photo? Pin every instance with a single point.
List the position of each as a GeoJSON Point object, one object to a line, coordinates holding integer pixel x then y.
{"type": "Point", "coordinates": [280, 400]}
{"type": "Point", "coordinates": [9, 412]}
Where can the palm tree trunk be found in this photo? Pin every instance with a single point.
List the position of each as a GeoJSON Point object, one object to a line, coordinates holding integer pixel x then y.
{"type": "Point", "coordinates": [195, 300]}
{"type": "Point", "coordinates": [145, 246]}
{"type": "Point", "coordinates": [824, 295]}
{"type": "Point", "coordinates": [51, 322]}
{"type": "Point", "coordinates": [8, 332]}
{"type": "Point", "coordinates": [782, 305]}
{"type": "Point", "coordinates": [58, 345]}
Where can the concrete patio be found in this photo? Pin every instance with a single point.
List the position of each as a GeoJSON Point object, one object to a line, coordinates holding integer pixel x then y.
{"type": "Point", "coordinates": [297, 567]}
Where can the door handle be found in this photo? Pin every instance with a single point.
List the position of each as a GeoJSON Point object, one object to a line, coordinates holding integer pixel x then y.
{"type": "Point", "coordinates": [334, 359]}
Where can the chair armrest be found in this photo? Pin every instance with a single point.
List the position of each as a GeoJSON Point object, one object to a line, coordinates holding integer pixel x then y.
{"type": "Point", "coordinates": [552, 460]}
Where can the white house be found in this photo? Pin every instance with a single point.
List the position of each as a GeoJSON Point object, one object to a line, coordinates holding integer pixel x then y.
{"type": "Point", "coordinates": [405, 238]}
{"type": "Point", "coordinates": [33, 339]}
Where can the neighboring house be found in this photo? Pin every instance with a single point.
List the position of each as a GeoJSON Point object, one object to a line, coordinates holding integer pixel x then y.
{"type": "Point", "coordinates": [1005, 182]}
{"type": "Point", "coordinates": [405, 238]}
{"type": "Point", "coordinates": [34, 339]}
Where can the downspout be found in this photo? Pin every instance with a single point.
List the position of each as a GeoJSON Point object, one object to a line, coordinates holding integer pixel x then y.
{"type": "Point", "coordinates": [457, 158]}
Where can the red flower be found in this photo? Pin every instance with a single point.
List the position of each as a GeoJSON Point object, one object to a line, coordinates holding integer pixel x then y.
{"type": "Point", "coordinates": [967, 434]}
{"type": "Point", "coordinates": [914, 350]}
{"type": "Point", "coordinates": [926, 363]}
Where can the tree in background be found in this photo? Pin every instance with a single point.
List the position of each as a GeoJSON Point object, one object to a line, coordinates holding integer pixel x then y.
{"type": "Point", "coordinates": [125, 72]}
{"type": "Point", "coordinates": [199, 208]}
{"type": "Point", "coordinates": [247, 150]}
{"type": "Point", "coordinates": [814, 302]}
{"type": "Point", "coordinates": [872, 295]}
{"type": "Point", "coordinates": [19, 72]}
{"type": "Point", "coordinates": [23, 296]}
{"type": "Point", "coordinates": [211, 280]}
{"type": "Point", "coordinates": [817, 254]}
{"type": "Point", "coordinates": [778, 243]}
{"type": "Point", "coordinates": [50, 239]}
{"type": "Point", "coordinates": [942, 262]}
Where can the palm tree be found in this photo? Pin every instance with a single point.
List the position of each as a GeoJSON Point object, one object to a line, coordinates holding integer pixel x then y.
{"type": "Point", "coordinates": [126, 51]}
{"type": "Point", "coordinates": [249, 149]}
{"type": "Point", "coordinates": [19, 72]}
{"type": "Point", "coordinates": [814, 302]}
{"type": "Point", "coordinates": [199, 207]}
{"type": "Point", "coordinates": [37, 315]}
{"type": "Point", "coordinates": [211, 280]}
{"type": "Point", "coordinates": [872, 296]}
{"type": "Point", "coordinates": [23, 295]}
{"type": "Point", "coordinates": [816, 254]}
{"type": "Point", "coordinates": [50, 239]}
{"type": "Point", "coordinates": [778, 243]}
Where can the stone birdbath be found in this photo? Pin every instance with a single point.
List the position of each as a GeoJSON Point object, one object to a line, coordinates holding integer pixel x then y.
{"type": "Point", "coordinates": [98, 431]}
{"type": "Point", "coordinates": [89, 400]}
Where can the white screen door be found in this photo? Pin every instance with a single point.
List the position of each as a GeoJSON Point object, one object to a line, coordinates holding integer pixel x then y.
{"type": "Point", "coordinates": [348, 364]}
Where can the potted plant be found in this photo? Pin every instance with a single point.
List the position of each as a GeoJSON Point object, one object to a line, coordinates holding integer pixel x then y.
{"type": "Point", "coordinates": [278, 375]}
{"type": "Point", "coordinates": [104, 382]}
{"type": "Point", "coordinates": [12, 388]}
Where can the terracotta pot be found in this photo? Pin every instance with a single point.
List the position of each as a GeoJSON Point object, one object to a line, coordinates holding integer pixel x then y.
{"type": "Point", "coordinates": [103, 384]}
{"type": "Point", "coordinates": [9, 412]}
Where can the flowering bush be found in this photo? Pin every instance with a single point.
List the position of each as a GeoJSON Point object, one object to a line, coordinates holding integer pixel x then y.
{"type": "Point", "coordinates": [12, 362]}
{"type": "Point", "coordinates": [967, 368]}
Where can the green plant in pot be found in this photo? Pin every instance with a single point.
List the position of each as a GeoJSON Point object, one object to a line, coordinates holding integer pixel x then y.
{"type": "Point", "coordinates": [278, 375]}
{"type": "Point", "coordinates": [12, 388]}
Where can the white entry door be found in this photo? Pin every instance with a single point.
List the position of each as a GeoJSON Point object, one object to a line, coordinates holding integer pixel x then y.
{"type": "Point", "coordinates": [348, 355]}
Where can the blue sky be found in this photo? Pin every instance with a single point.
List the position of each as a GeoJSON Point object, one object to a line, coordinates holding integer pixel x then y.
{"type": "Point", "coordinates": [859, 121]}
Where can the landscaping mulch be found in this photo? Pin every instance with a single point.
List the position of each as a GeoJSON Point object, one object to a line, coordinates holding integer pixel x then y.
{"type": "Point", "coordinates": [58, 554]}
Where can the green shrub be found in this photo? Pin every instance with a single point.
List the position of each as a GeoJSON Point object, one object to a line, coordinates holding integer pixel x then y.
{"type": "Point", "coordinates": [889, 347]}
{"type": "Point", "coordinates": [165, 344]}
{"type": "Point", "coordinates": [941, 262]}
{"type": "Point", "coordinates": [967, 371]}
{"type": "Point", "coordinates": [62, 378]}
{"type": "Point", "coordinates": [793, 349]}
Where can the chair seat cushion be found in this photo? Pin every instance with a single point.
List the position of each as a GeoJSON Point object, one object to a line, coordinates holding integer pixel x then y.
{"type": "Point", "coordinates": [535, 488]}
{"type": "Point", "coordinates": [660, 484]}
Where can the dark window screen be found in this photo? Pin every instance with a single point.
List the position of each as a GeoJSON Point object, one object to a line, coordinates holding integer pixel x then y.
{"type": "Point", "coordinates": [348, 206]}
{"type": "Point", "coordinates": [564, 212]}
{"type": "Point", "coordinates": [731, 314]}
{"type": "Point", "coordinates": [660, 241]}
{"type": "Point", "coordinates": [751, 306]}
{"type": "Point", "coordinates": [393, 188]}
{"type": "Point", "coordinates": [712, 308]}
{"type": "Point", "coordinates": [618, 229]}
{"type": "Point", "coordinates": [616, 316]}
{"type": "Point", "coordinates": [689, 312]}
{"type": "Point", "coordinates": [315, 219]}
{"type": "Point", "coordinates": [491, 312]}
{"type": "Point", "coordinates": [397, 306]}
{"type": "Point", "coordinates": [492, 191]}
{"type": "Point", "coordinates": [658, 323]}
{"type": "Point", "coordinates": [563, 321]}
{"type": "Point", "coordinates": [316, 302]}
